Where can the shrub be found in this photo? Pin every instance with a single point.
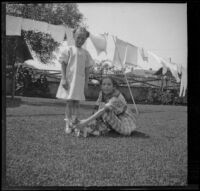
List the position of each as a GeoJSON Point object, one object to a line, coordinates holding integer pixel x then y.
{"type": "Point", "coordinates": [27, 84]}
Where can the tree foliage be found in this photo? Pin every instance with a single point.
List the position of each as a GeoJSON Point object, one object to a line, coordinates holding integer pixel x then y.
{"type": "Point", "coordinates": [52, 13]}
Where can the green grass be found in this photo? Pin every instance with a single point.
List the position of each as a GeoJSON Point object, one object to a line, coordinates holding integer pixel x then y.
{"type": "Point", "coordinates": [39, 153]}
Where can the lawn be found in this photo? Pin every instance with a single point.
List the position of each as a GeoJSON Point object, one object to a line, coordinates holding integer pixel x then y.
{"type": "Point", "coordinates": [39, 153]}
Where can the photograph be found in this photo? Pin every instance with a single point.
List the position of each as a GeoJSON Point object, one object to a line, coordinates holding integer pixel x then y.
{"type": "Point", "coordinates": [95, 95]}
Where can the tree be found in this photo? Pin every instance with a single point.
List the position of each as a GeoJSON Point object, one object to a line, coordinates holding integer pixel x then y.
{"type": "Point", "coordinates": [52, 13]}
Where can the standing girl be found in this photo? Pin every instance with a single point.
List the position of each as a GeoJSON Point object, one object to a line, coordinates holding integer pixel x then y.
{"type": "Point", "coordinates": [113, 112]}
{"type": "Point", "coordinates": [75, 62]}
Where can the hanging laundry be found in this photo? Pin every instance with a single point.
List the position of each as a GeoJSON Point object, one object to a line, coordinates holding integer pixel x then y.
{"type": "Point", "coordinates": [173, 67]}
{"type": "Point", "coordinates": [99, 42]}
{"type": "Point", "coordinates": [88, 45]}
{"type": "Point", "coordinates": [183, 86]}
{"type": "Point", "coordinates": [57, 32]}
{"type": "Point", "coordinates": [70, 38]}
{"type": "Point", "coordinates": [41, 27]}
{"type": "Point", "coordinates": [125, 53]}
{"type": "Point", "coordinates": [28, 25]}
{"type": "Point", "coordinates": [159, 61]}
{"type": "Point", "coordinates": [110, 46]}
{"type": "Point", "coordinates": [33, 25]}
{"type": "Point", "coordinates": [144, 54]}
{"type": "Point", "coordinates": [141, 64]}
{"type": "Point", "coordinates": [13, 25]}
{"type": "Point", "coordinates": [179, 66]}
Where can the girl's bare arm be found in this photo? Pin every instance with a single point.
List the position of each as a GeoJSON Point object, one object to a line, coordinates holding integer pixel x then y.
{"type": "Point", "coordinates": [94, 116]}
{"type": "Point", "coordinates": [84, 122]}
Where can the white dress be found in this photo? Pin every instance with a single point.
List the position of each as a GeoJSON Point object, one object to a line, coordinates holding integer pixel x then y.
{"type": "Point", "coordinates": [78, 59]}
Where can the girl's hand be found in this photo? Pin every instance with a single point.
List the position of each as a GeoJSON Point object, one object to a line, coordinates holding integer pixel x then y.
{"type": "Point", "coordinates": [65, 84]}
{"type": "Point", "coordinates": [80, 124]}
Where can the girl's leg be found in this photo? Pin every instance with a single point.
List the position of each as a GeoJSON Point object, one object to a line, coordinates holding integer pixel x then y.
{"type": "Point", "coordinates": [68, 116]}
{"type": "Point", "coordinates": [68, 110]}
{"type": "Point", "coordinates": [116, 124]}
{"type": "Point", "coordinates": [75, 110]}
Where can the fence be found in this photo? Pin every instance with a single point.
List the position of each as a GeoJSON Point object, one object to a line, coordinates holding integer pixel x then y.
{"type": "Point", "coordinates": [141, 87]}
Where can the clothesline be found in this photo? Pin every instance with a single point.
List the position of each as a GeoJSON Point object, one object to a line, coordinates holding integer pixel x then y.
{"type": "Point", "coordinates": [130, 55]}
{"type": "Point", "coordinates": [102, 43]}
{"type": "Point", "coordinates": [14, 26]}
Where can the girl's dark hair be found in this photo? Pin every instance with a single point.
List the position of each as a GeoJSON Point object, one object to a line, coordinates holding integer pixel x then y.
{"type": "Point", "coordinates": [114, 82]}
{"type": "Point", "coordinates": [83, 30]}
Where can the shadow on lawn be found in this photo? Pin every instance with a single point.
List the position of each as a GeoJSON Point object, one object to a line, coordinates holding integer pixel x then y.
{"type": "Point", "coordinates": [135, 134]}
{"type": "Point", "coordinates": [16, 102]}
{"type": "Point", "coordinates": [41, 103]}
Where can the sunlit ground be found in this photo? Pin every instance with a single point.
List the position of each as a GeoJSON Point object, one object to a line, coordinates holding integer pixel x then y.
{"type": "Point", "coordinates": [39, 153]}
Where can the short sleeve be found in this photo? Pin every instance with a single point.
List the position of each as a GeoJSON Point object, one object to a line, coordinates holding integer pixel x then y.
{"type": "Point", "coordinates": [89, 60]}
{"type": "Point", "coordinates": [121, 97]}
{"type": "Point", "coordinates": [64, 57]}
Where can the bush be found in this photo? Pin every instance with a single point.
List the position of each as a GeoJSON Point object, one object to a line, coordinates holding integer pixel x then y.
{"type": "Point", "coordinates": [166, 97]}
{"type": "Point", "coordinates": [41, 43]}
{"type": "Point", "coordinates": [27, 84]}
{"type": "Point", "coordinates": [53, 13]}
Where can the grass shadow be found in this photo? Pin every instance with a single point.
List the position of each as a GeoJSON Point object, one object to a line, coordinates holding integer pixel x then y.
{"type": "Point", "coordinates": [40, 103]}
{"type": "Point", "coordinates": [138, 134]}
{"type": "Point", "coordinates": [135, 134]}
{"type": "Point", "coordinates": [16, 102]}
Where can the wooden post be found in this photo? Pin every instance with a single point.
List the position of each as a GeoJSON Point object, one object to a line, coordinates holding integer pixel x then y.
{"type": "Point", "coordinates": [162, 82]}
{"type": "Point", "coordinates": [13, 67]}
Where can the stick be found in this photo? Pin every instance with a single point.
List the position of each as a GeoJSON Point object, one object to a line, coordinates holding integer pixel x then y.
{"type": "Point", "coordinates": [126, 77]}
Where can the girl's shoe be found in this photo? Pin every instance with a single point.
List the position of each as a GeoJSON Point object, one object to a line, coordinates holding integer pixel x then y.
{"type": "Point", "coordinates": [77, 132]}
{"type": "Point", "coordinates": [75, 121]}
{"type": "Point", "coordinates": [85, 132]}
{"type": "Point", "coordinates": [68, 129]}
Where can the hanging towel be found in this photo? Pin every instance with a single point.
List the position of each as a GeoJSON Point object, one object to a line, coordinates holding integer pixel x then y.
{"type": "Point", "coordinates": [173, 67]}
{"type": "Point", "coordinates": [120, 53]}
{"type": "Point", "coordinates": [141, 63]}
{"type": "Point", "coordinates": [13, 25]}
{"type": "Point", "coordinates": [33, 25]}
{"type": "Point", "coordinates": [183, 86]}
{"type": "Point", "coordinates": [99, 42]}
{"type": "Point", "coordinates": [179, 66]}
{"type": "Point", "coordinates": [144, 54]}
{"type": "Point", "coordinates": [57, 32]}
{"type": "Point", "coordinates": [160, 62]}
{"type": "Point", "coordinates": [41, 27]}
{"type": "Point", "coordinates": [110, 46]}
{"type": "Point", "coordinates": [28, 25]}
{"type": "Point", "coordinates": [70, 38]}
{"type": "Point", "coordinates": [153, 63]}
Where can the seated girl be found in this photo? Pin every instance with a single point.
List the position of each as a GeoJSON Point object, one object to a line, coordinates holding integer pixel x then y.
{"type": "Point", "coordinates": [113, 113]}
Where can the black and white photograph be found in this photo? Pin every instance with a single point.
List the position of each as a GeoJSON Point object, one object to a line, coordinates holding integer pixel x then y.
{"type": "Point", "coordinates": [95, 94]}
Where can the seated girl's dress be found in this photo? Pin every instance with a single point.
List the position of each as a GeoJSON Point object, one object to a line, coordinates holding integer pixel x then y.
{"type": "Point", "coordinates": [119, 118]}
